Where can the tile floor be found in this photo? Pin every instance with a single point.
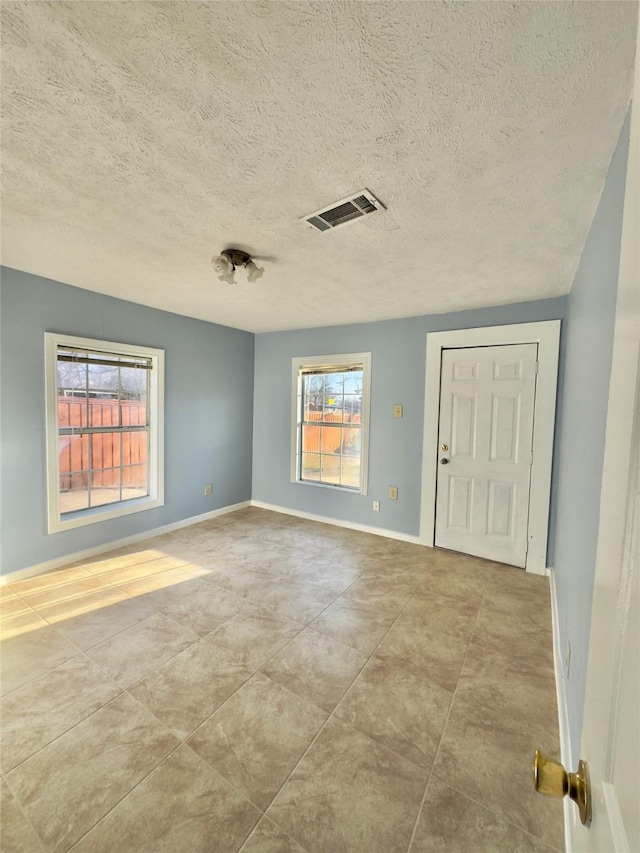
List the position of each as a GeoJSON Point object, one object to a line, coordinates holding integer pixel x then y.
{"type": "Point", "coordinates": [264, 684]}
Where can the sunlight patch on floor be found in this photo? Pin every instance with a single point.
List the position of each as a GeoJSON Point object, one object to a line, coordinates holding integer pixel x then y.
{"type": "Point", "coordinates": [56, 596]}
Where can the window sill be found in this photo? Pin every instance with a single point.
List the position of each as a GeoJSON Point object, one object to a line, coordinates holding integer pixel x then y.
{"type": "Point", "coordinates": [94, 516]}
{"type": "Point", "coordinates": [343, 489]}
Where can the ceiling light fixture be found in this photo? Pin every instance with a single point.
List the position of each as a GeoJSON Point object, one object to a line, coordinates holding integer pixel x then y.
{"type": "Point", "coordinates": [226, 263]}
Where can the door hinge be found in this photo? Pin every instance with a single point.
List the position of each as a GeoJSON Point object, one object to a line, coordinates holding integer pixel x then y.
{"type": "Point", "coordinates": [537, 367]}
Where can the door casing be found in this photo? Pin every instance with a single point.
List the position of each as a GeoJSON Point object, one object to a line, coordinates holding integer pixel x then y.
{"type": "Point", "coordinates": [547, 335]}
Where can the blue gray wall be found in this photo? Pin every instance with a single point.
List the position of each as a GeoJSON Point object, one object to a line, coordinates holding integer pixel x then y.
{"type": "Point", "coordinates": [398, 349]}
{"type": "Point", "coordinates": [208, 412]}
{"type": "Point", "coordinates": [587, 346]}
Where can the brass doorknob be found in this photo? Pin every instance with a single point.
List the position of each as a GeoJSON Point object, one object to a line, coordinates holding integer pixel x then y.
{"type": "Point", "coordinates": [550, 778]}
{"type": "Point", "coordinates": [444, 461]}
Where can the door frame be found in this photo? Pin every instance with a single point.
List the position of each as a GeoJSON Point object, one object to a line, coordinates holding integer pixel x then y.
{"type": "Point", "coordinates": [547, 335]}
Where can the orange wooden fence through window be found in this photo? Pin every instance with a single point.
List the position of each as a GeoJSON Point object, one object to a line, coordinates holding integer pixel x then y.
{"type": "Point", "coordinates": [335, 432]}
{"type": "Point", "coordinates": [106, 455]}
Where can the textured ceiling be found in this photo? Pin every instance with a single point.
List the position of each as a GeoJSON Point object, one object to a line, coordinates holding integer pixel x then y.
{"type": "Point", "coordinates": [141, 138]}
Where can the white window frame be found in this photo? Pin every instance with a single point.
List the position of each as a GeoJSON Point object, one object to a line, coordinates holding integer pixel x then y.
{"type": "Point", "coordinates": [348, 359]}
{"type": "Point", "coordinates": [155, 498]}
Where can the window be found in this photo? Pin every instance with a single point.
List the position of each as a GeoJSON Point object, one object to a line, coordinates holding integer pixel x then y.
{"type": "Point", "coordinates": [331, 421]}
{"type": "Point", "coordinates": [104, 430]}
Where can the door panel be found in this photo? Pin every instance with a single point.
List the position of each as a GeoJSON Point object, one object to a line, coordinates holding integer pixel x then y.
{"type": "Point", "coordinates": [505, 421]}
{"type": "Point", "coordinates": [463, 426]}
{"type": "Point", "coordinates": [486, 423]}
{"type": "Point", "coordinates": [460, 503]}
{"type": "Point", "coordinates": [500, 509]}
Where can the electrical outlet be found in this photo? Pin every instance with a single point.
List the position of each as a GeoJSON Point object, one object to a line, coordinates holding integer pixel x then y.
{"type": "Point", "coordinates": [393, 493]}
{"type": "Point", "coordinates": [397, 410]}
{"type": "Point", "coordinates": [207, 490]}
{"type": "Point", "coordinates": [376, 506]}
{"type": "Point", "coordinates": [567, 661]}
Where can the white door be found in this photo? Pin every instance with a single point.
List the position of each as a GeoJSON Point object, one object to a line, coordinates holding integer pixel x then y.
{"type": "Point", "coordinates": [611, 727]}
{"type": "Point", "coordinates": [485, 434]}
{"type": "Point", "coordinates": [611, 734]}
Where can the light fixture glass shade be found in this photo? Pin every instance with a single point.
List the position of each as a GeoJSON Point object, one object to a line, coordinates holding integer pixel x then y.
{"type": "Point", "coordinates": [229, 261]}
{"type": "Point", "coordinates": [222, 264]}
{"type": "Point", "coordinates": [253, 272]}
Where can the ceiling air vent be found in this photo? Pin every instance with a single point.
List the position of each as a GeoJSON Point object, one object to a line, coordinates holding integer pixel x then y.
{"type": "Point", "coordinates": [343, 211]}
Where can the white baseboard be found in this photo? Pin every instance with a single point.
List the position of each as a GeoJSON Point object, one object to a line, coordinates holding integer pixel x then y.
{"type": "Point", "coordinates": [49, 565]}
{"type": "Point", "coordinates": [563, 714]}
{"type": "Point", "coordinates": [336, 522]}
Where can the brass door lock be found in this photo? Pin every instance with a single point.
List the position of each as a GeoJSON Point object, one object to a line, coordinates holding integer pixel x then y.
{"type": "Point", "coordinates": [550, 778]}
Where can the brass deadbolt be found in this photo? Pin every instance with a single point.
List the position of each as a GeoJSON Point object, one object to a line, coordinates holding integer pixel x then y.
{"type": "Point", "coordinates": [444, 447]}
{"type": "Point", "coordinates": [550, 778]}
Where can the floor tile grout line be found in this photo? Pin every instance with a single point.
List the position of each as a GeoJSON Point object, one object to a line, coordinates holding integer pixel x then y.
{"type": "Point", "coordinates": [344, 722]}
{"type": "Point", "coordinates": [83, 653]}
{"type": "Point", "coordinates": [258, 670]}
{"type": "Point", "coordinates": [75, 580]}
{"type": "Point", "coordinates": [497, 814]}
{"type": "Point", "coordinates": [156, 611]}
{"type": "Point", "coordinates": [347, 691]}
{"type": "Point", "coordinates": [113, 585]}
{"type": "Point", "coordinates": [324, 725]}
{"type": "Point", "coordinates": [89, 648]}
{"type": "Point", "coordinates": [240, 686]}
{"type": "Point", "coordinates": [442, 733]}
{"type": "Point", "coordinates": [274, 610]}
{"type": "Point", "coordinates": [331, 637]}
{"type": "Point", "coordinates": [126, 628]}
{"type": "Point", "coordinates": [67, 732]}
{"type": "Point", "coordinates": [127, 689]}
{"type": "Point", "coordinates": [117, 586]}
{"type": "Point", "coordinates": [304, 627]}
{"type": "Point", "coordinates": [478, 802]}
{"type": "Point", "coordinates": [261, 668]}
{"type": "Point", "coordinates": [24, 814]}
{"type": "Point", "coordinates": [331, 714]}
{"type": "Point", "coordinates": [183, 651]}
{"type": "Point", "coordinates": [4, 619]}
{"type": "Point", "coordinates": [50, 669]}
{"type": "Point", "coordinates": [464, 659]}
{"type": "Point", "coordinates": [14, 595]}
{"type": "Point", "coordinates": [183, 743]}
{"type": "Point", "coordinates": [109, 584]}
{"type": "Point", "coordinates": [123, 798]}
{"type": "Point", "coordinates": [302, 578]}
{"type": "Point", "coordinates": [287, 834]}
{"type": "Point", "coordinates": [153, 669]}
{"type": "Point", "coordinates": [121, 690]}
{"type": "Point", "coordinates": [199, 726]}
{"type": "Point", "coordinates": [137, 622]}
